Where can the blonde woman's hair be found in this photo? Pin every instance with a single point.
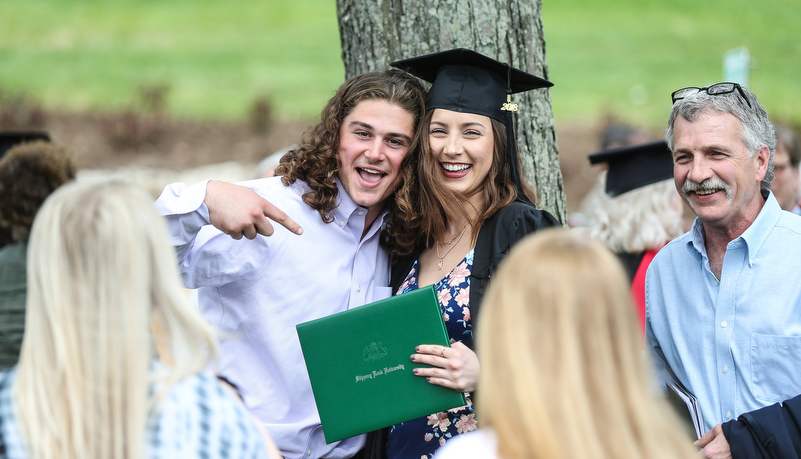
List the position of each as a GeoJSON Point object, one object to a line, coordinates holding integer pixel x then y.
{"type": "Point", "coordinates": [563, 374]}
{"type": "Point", "coordinates": [101, 272]}
{"type": "Point", "coordinates": [642, 219]}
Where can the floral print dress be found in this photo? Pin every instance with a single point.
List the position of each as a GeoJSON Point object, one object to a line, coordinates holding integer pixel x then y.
{"type": "Point", "coordinates": [420, 438]}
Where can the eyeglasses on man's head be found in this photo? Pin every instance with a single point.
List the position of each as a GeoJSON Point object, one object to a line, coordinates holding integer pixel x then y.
{"type": "Point", "coordinates": [713, 90]}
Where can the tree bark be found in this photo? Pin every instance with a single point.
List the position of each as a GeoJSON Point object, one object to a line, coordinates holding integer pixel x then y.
{"type": "Point", "coordinates": [374, 33]}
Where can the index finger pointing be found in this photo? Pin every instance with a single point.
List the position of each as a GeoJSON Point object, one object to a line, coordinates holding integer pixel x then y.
{"type": "Point", "coordinates": [277, 215]}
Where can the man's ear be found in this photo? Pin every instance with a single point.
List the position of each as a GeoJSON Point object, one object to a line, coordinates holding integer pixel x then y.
{"type": "Point", "coordinates": [763, 159]}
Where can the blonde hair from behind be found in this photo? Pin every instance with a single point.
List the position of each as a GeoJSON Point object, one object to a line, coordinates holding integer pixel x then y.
{"type": "Point", "coordinates": [101, 272]}
{"type": "Point", "coordinates": [563, 374]}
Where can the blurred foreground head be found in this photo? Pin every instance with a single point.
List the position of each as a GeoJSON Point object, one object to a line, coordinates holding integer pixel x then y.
{"type": "Point", "coordinates": [101, 273]}
{"type": "Point", "coordinates": [563, 374]}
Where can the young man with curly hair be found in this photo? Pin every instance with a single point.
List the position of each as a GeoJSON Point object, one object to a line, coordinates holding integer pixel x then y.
{"type": "Point", "coordinates": [337, 185]}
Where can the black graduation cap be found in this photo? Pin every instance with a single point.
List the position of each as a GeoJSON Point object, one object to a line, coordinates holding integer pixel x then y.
{"type": "Point", "coordinates": [466, 81]}
{"type": "Point", "coordinates": [632, 167]}
{"type": "Point", "coordinates": [9, 139]}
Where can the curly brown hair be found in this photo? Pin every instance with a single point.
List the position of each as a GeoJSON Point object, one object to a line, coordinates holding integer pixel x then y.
{"type": "Point", "coordinates": [424, 205]}
{"type": "Point", "coordinates": [316, 161]}
{"type": "Point", "coordinates": [29, 172]}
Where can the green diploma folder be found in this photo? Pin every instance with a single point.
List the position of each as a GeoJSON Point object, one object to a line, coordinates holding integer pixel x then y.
{"type": "Point", "coordinates": [360, 368]}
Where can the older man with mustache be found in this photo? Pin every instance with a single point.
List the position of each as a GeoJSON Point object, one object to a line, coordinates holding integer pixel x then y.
{"type": "Point", "coordinates": [720, 317]}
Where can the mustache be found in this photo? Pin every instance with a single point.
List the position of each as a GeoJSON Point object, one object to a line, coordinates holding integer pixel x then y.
{"type": "Point", "coordinates": [710, 184]}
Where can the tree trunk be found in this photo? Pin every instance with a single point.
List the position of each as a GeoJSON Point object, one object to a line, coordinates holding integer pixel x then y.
{"type": "Point", "coordinates": [374, 33]}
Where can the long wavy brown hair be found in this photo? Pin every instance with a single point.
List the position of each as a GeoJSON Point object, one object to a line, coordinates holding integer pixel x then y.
{"type": "Point", "coordinates": [316, 159]}
{"type": "Point", "coordinates": [424, 205]}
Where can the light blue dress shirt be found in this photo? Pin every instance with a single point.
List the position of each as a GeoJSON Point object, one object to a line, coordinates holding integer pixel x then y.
{"type": "Point", "coordinates": [735, 344]}
{"type": "Point", "coordinates": [258, 290]}
{"type": "Point", "coordinates": [197, 418]}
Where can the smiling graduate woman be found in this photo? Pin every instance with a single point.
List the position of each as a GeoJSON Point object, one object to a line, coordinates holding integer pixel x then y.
{"type": "Point", "coordinates": [467, 205]}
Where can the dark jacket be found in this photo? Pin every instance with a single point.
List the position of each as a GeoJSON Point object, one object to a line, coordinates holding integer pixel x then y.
{"type": "Point", "coordinates": [770, 432]}
{"type": "Point", "coordinates": [497, 235]}
{"type": "Point", "coordinates": [13, 294]}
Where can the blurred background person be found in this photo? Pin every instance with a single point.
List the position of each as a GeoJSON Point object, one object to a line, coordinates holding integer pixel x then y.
{"type": "Point", "coordinates": [29, 172]}
{"type": "Point", "coordinates": [638, 210]}
{"type": "Point", "coordinates": [615, 135]}
{"type": "Point", "coordinates": [563, 374]}
{"type": "Point", "coordinates": [266, 167]}
{"type": "Point", "coordinates": [785, 169]}
{"type": "Point", "coordinates": [9, 139]}
{"type": "Point", "coordinates": [89, 383]}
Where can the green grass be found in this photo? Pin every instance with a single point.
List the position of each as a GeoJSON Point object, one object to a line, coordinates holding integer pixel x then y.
{"type": "Point", "coordinates": [216, 56]}
{"type": "Point", "coordinates": [619, 57]}
{"type": "Point", "coordinates": [625, 57]}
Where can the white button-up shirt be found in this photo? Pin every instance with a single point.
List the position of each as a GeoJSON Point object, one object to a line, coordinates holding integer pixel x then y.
{"type": "Point", "coordinates": [257, 291]}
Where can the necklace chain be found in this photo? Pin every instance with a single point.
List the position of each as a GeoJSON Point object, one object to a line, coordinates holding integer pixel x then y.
{"type": "Point", "coordinates": [457, 238]}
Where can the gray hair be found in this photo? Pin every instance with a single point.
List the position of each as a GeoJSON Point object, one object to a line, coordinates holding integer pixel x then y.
{"type": "Point", "coordinates": [757, 130]}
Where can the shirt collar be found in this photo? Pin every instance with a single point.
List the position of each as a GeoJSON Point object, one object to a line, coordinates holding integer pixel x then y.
{"type": "Point", "coordinates": [346, 206]}
{"type": "Point", "coordinates": [753, 237]}
{"type": "Point", "coordinates": [756, 234]}
{"type": "Point", "coordinates": [696, 241]}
